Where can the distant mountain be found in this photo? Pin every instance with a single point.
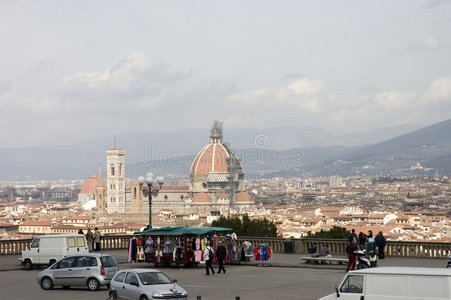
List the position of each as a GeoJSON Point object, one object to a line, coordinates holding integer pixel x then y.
{"type": "Point", "coordinates": [429, 146]}
{"type": "Point", "coordinates": [282, 151]}
{"type": "Point", "coordinates": [147, 148]}
{"type": "Point", "coordinates": [365, 138]}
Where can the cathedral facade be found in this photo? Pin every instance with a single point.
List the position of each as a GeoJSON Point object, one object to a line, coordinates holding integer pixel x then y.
{"type": "Point", "coordinates": [216, 185]}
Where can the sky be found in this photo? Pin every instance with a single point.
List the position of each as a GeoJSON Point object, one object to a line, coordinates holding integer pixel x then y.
{"type": "Point", "coordinates": [72, 71]}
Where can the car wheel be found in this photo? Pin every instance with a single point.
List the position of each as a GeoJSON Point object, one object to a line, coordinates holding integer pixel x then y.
{"type": "Point", "coordinates": [93, 284]}
{"type": "Point", "coordinates": [46, 283]}
{"type": "Point", "coordinates": [143, 297]}
{"type": "Point", "coordinates": [28, 265]}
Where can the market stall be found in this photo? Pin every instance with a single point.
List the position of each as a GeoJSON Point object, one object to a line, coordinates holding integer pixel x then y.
{"type": "Point", "coordinates": [174, 245]}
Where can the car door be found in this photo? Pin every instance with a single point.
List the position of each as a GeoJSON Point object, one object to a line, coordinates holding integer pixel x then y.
{"type": "Point", "coordinates": [81, 270]}
{"type": "Point", "coordinates": [117, 284]}
{"type": "Point", "coordinates": [62, 274]}
{"type": "Point", "coordinates": [352, 287]}
{"type": "Point", "coordinates": [131, 289]}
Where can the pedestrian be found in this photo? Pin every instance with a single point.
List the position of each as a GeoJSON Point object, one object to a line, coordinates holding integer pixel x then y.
{"type": "Point", "coordinates": [80, 231]}
{"type": "Point", "coordinates": [370, 241]}
{"type": "Point", "coordinates": [380, 243]}
{"type": "Point", "coordinates": [97, 238]}
{"type": "Point", "coordinates": [352, 238]}
{"type": "Point", "coordinates": [89, 239]}
{"type": "Point", "coordinates": [208, 257]}
{"type": "Point", "coordinates": [362, 241]}
{"type": "Point", "coordinates": [221, 255]}
{"type": "Point", "coordinates": [351, 256]}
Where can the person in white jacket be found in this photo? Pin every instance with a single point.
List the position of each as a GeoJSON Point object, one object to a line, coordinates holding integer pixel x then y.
{"type": "Point", "coordinates": [208, 257]}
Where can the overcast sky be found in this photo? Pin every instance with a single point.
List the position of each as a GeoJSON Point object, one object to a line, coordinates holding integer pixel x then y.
{"type": "Point", "coordinates": [75, 70]}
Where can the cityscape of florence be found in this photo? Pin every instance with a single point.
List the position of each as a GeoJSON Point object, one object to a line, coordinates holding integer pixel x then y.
{"type": "Point", "coordinates": [288, 133]}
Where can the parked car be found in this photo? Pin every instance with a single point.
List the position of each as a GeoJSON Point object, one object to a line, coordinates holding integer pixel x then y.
{"type": "Point", "coordinates": [145, 284]}
{"type": "Point", "coordinates": [47, 249]}
{"type": "Point", "coordinates": [90, 270]}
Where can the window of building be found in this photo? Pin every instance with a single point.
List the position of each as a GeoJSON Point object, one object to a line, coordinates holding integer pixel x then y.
{"type": "Point", "coordinates": [112, 170]}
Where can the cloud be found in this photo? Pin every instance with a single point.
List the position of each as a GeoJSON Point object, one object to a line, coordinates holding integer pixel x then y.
{"type": "Point", "coordinates": [434, 3]}
{"type": "Point", "coordinates": [438, 93]}
{"type": "Point", "coordinates": [430, 43]}
{"type": "Point", "coordinates": [139, 82]}
{"type": "Point", "coordinates": [309, 102]}
{"type": "Point", "coordinates": [114, 100]}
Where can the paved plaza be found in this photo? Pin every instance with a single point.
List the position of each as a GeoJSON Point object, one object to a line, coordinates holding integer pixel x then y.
{"type": "Point", "coordinates": [285, 277]}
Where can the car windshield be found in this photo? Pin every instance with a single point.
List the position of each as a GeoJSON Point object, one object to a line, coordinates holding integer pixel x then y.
{"type": "Point", "coordinates": [108, 261]}
{"type": "Point", "coordinates": [150, 278]}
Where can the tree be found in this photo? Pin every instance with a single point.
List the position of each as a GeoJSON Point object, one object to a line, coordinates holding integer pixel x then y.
{"type": "Point", "coordinates": [335, 232]}
{"type": "Point", "coordinates": [248, 227]}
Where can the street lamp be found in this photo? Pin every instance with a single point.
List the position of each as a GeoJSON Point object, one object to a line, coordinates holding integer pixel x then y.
{"type": "Point", "coordinates": [151, 182]}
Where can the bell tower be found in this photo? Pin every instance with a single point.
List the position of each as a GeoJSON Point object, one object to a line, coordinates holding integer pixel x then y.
{"type": "Point", "coordinates": [115, 166]}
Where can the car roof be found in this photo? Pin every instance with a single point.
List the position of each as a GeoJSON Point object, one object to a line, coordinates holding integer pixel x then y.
{"type": "Point", "coordinates": [142, 270]}
{"type": "Point", "coordinates": [405, 270]}
{"type": "Point", "coordinates": [91, 254]}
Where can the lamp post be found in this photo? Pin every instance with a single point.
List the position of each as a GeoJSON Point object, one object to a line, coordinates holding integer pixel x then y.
{"type": "Point", "coordinates": [151, 182]}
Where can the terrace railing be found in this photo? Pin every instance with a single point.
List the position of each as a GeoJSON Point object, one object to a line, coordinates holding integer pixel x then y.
{"type": "Point", "coordinates": [278, 245]}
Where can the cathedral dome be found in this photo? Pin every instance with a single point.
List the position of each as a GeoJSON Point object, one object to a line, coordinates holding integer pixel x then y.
{"type": "Point", "coordinates": [213, 158]}
{"type": "Point", "coordinates": [243, 197]}
{"type": "Point", "coordinates": [201, 198]}
{"type": "Point", "coordinates": [89, 186]}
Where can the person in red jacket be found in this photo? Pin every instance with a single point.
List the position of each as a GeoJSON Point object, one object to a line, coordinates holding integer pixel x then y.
{"type": "Point", "coordinates": [351, 256]}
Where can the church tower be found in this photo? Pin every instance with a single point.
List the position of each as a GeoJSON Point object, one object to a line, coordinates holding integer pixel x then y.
{"type": "Point", "coordinates": [115, 166]}
{"type": "Point", "coordinates": [100, 194]}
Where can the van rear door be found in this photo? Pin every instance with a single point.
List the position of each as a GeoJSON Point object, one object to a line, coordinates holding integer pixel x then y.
{"type": "Point", "coordinates": [71, 246]}
{"type": "Point", "coordinates": [82, 247]}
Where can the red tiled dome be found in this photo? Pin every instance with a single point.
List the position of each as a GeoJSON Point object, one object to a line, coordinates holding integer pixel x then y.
{"type": "Point", "coordinates": [243, 197]}
{"type": "Point", "coordinates": [89, 186]}
{"type": "Point", "coordinates": [212, 158]}
{"type": "Point", "coordinates": [223, 195]}
{"type": "Point", "coordinates": [201, 198]}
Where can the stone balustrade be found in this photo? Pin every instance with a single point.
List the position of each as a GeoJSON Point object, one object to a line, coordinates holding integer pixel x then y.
{"type": "Point", "coordinates": [278, 245]}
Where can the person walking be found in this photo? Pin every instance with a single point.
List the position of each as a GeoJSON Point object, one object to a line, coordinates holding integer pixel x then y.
{"type": "Point", "coordinates": [89, 239]}
{"type": "Point", "coordinates": [80, 231]}
{"type": "Point", "coordinates": [351, 256]}
{"type": "Point", "coordinates": [380, 243]}
{"type": "Point", "coordinates": [221, 255]}
{"type": "Point", "coordinates": [97, 238]}
{"type": "Point", "coordinates": [208, 257]}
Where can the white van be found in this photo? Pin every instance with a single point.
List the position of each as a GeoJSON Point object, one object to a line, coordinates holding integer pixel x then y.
{"type": "Point", "coordinates": [394, 283]}
{"type": "Point", "coordinates": [47, 249]}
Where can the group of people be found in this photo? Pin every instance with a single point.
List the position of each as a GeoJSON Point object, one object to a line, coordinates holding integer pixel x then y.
{"type": "Point", "coordinates": [209, 255]}
{"type": "Point", "coordinates": [358, 243]}
{"type": "Point", "coordinates": [93, 238]}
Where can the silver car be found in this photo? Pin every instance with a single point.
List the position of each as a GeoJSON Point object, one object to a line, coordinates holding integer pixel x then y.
{"type": "Point", "coordinates": [90, 270]}
{"type": "Point", "coordinates": [145, 284]}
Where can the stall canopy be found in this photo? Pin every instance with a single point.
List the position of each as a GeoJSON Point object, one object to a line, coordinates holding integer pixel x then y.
{"type": "Point", "coordinates": [182, 230]}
